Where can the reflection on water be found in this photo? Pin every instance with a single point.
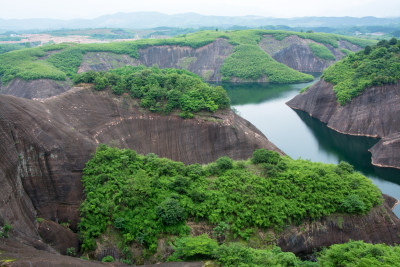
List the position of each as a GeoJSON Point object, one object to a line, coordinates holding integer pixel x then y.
{"type": "Point", "coordinates": [300, 135]}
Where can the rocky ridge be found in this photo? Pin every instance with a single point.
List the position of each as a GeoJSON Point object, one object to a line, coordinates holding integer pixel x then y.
{"type": "Point", "coordinates": [206, 61]}
{"type": "Point", "coordinates": [374, 113]}
{"type": "Point", "coordinates": [45, 145]}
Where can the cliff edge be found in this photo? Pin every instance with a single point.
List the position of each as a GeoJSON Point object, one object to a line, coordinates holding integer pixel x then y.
{"type": "Point", "coordinates": [374, 113]}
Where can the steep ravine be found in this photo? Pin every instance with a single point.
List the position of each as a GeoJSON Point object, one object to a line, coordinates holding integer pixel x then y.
{"type": "Point", "coordinates": [375, 113]}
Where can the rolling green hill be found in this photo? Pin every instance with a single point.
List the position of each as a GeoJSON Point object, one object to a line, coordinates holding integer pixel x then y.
{"type": "Point", "coordinates": [57, 62]}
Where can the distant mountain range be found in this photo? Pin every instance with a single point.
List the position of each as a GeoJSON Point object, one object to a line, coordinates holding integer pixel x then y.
{"type": "Point", "coordinates": [144, 20]}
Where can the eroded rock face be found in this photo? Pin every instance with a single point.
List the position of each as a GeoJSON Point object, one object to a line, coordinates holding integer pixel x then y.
{"type": "Point", "coordinates": [295, 52]}
{"type": "Point", "coordinates": [59, 237]}
{"type": "Point", "coordinates": [376, 113]}
{"type": "Point", "coordinates": [205, 61]}
{"type": "Point", "coordinates": [44, 147]}
{"type": "Point", "coordinates": [380, 225]}
{"type": "Point", "coordinates": [41, 88]}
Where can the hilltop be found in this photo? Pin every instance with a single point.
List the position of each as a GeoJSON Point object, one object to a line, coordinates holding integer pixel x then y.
{"type": "Point", "coordinates": [359, 95]}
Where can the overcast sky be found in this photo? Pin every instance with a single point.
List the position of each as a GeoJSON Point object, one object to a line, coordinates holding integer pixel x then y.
{"type": "Point", "coordinates": [70, 9]}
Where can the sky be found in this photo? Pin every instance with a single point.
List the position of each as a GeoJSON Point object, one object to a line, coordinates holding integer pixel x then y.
{"type": "Point", "coordinates": [72, 9]}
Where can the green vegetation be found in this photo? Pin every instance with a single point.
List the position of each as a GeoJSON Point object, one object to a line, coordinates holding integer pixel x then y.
{"type": "Point", "coordinates": [353, 253]}
{"type": "Point", "coordinates": [30, 64]}
{"type": "Point", "coordinates": [108, 259]}
{"type": "Point", "coordinates": [250, 62]}
{"type": "Point", "coordinates": [146, 197]}
{"type": "Point", "coordinates": [193, 248]}
{"type": "Point", "coordinates": [321, 51]}
{"type": "Point", "coordinates": [372, 66]}
{"type": "Point", "coordinates": [4, 48]}
{"type": "Point", "coordinates": [323, 38]}
{"type": "Point", "coordinates": [161, 90]}
{"type": "Point", "coordinates": [304, 89]}
{"type": "Point", "coordinates": [71, 252]}
{"type": "Point", "coordinates": [9, 38]}
{"type": "Point", "coordinates": [25, 64]}
{"type": "Point", "coordinates": [236, 254]}
{"type": "Point", "coordinates": [358, 253]}
{"type": "Point", "coordinates": [346, 51]}
{"type": "Point", "coordinates": [232, 254]}
{"type": "Point", "coordinates": [4, 230]}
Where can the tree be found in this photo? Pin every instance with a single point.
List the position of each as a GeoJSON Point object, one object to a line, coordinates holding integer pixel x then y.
{"type": "Point", "coordinates": [367, 50]}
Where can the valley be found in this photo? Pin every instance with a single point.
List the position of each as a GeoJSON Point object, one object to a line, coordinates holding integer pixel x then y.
{"type": "Point", "coordinates": [127, 154]}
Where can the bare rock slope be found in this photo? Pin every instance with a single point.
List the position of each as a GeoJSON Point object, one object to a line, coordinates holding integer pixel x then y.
{"type": "Point", "coordinates": [375, 113]}
{"type": "Point", "coordinates": [380, 225]}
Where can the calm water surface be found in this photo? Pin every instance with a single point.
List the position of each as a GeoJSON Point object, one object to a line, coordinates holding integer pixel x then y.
{"type": "Point", "coordinates": [301, 136]}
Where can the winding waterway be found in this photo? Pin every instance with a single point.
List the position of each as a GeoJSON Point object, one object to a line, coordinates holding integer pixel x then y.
{"type": "Point", "coordinates": [301, 136]}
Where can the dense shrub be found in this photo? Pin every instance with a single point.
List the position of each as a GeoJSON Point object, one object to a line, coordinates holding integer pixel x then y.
{"type": "Point", "coordinates": [190, 248]}
{"type": "Point", "coordinates": [265, 156]}
{"type": "Point", "coordinates": [358, 253]}
{"type": "Point", "coordinates": [108, 259]}
{"type": "Point", "coordinates": [171, 212]}
{"type": "Point", "coordinates": [144, 196]}
{"type": "Point", "coordinates": [160, 90]}
{"type": "Point", "coordinates": [236, 254]}
{"type": "Point", "coordinates": [224, 163]}
{"type": "Point", "coordinates": [374, 66]}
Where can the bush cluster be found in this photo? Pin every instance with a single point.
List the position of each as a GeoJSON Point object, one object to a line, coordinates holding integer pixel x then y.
{"type": "Point", "coordinates": [358, 253]}
{"type": "Point", "coordinates": [160, 90]}
{"type": "Point", "coordinates": [144, 196]}
{"type": "Point", "coordinates": [373, 66]}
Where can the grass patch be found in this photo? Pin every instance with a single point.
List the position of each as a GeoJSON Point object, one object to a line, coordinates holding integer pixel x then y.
{"type": "Point", "coordinates": [250, 62]}
{"type": "Point", "coordinates": [321, 51]}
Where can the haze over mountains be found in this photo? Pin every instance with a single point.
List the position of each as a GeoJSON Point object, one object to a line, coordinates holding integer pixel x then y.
{"type": "Point", "coordinates": [142, 20]}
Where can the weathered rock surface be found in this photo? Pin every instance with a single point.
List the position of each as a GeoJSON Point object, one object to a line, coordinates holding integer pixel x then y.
{"type": "Point", "coordinates": [295, 52]}
{"type": "Point", "coordinates": [205, 61]}
{"type": "Point", "coordinates": [380, 225]}
{"type": "Point", "coordinates": [102, 61]}
{"type": "Point", "coordinates": [376, 113]}
{"type": "Point", "coordinates": [42, 88]}
{"type": "Point", "coordinates": [58, 237]}
{"type": "Point", "coordinates": [44, 147]}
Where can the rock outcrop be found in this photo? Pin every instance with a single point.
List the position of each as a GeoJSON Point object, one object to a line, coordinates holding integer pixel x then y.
{"type": "Point", "coordinates": [374, 113]}
{"type": "Point", "coordinates": [42, 88]}
{"type": "Point", "coordinates": [380, 225]}
{"type": "Point", "coordinates": [44, 147]}
{"type": "Point", "coordinates": [205, 61]}
{"type": "Point", "coordinates": [295, 52]}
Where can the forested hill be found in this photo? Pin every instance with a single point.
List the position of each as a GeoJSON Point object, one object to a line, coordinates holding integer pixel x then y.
{"type": "Point", "coordinates": [249, 55]}
{"type": "Point", "coordinates": [374, 66]}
